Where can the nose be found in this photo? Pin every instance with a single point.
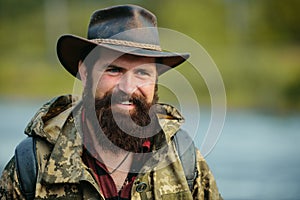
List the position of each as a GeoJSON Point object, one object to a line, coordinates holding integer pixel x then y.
{"type": "Point", "coordinates": [127, 83]}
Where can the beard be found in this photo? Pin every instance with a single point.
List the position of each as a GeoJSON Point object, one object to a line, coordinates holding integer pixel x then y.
{"type": "Point", "coordinates": [117, 129]}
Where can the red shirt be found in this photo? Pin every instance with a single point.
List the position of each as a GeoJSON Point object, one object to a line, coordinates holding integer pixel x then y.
{"type": "Point", "coordinates": [105, 181]}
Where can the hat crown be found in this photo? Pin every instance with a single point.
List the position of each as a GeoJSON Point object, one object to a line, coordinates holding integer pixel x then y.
{"type": "Point", "coordinates": [126, 29]}
{"type": "Point", "coordinates": [127, 22]}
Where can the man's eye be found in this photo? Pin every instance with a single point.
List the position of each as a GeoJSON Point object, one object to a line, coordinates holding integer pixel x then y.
{"type": "Point", "coordinates": [113, 70]}
{"type": "Point", "coordinates": [143, 73]}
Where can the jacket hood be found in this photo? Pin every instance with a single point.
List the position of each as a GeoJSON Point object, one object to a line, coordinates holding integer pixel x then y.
{"type": "Point", "coordinates": [50, 118]}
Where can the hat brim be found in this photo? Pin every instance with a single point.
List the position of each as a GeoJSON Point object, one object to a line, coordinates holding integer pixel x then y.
{"type": "Point", "coordinates": [69, 52]}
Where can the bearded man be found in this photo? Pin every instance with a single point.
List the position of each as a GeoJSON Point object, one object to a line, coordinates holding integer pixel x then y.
{"type": "Point", "coordinates": [117, 141]}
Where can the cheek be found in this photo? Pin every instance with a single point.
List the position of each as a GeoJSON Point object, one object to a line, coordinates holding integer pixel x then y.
{"type": "Point", "coordinates": [148, 92]}
{"type": "Point", "coordinates": [103, 85]}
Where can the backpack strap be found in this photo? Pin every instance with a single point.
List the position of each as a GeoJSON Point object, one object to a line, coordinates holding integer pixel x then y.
{"type": "Point", "coordinates": [26, 166]}
{"type": "Point", "coordinates": [187, 153]}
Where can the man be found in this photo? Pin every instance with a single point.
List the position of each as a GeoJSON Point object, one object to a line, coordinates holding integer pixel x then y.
{"type": "Point", "coordinates": [117, 142]}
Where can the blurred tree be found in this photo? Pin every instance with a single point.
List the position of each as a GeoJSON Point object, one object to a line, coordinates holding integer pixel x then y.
{"type": "Point", "coordinates": [255, 43]}
{"type": "Point", "coordinates": [291, 93]}
{"type": "Point", "coordinates": [14, 9]}
{"type": "Point", "coordinates": [282, 19]}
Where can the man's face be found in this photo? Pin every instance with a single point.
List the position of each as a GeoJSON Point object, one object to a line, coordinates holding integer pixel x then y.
{"type": "Point", "coordinates": [126, 73]}
{"type": "Point", "coordinates": [123, 89]}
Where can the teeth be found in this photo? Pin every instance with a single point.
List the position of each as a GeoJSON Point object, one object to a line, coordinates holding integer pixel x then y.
{"type": "Point", "coordinates": [126, 103]}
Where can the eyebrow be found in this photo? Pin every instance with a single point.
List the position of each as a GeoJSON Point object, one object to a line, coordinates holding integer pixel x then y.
{"type": "Point", "coordinates": [142, 67]}
{"type": "Point", "coordinates": [120, 67]}
{"type": "Point", "coordinates": [114, 66]}
{"type": "Point", "coordinates": [109, 65]}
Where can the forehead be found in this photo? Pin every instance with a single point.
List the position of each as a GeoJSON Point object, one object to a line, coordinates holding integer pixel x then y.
{"type": "Point", "coordinates": [127, 61]}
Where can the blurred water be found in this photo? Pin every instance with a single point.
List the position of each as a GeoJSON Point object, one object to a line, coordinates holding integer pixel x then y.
{"type": "Point", "coordinates": [256, 157]}
{"type": "Point", "coordinates": [14, 117]}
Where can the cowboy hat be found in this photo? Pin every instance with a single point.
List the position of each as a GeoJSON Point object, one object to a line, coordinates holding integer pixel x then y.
{"type": "Point", "coordinates": [127, 29]}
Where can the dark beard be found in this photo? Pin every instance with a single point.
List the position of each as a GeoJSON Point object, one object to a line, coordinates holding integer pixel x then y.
{"type": "Point", "coordinates": [116, 129]}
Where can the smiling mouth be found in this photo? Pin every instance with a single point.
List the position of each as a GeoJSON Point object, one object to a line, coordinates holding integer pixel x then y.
{"type": "Point", "coordinates": [124, 101]}
{"type": "Point", "coordinates": [125, 104]}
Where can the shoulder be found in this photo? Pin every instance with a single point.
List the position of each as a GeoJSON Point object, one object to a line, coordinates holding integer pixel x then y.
{"type": "Point", "coordinates": [8, 172]}
{"type": "Point", "coordinates": [205, 182]}
{"type": "Point", "coordinates": [9, 185]}
{"type": "Point", "coordinates": [49, 119]}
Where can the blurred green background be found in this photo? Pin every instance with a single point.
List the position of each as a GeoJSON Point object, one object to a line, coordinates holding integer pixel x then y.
{"type": "Point", "coordinates": [254, 43]}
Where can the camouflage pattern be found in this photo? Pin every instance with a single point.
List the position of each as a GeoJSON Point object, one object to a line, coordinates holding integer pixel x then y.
{"type": "Point", "coordinates": [63, 175]}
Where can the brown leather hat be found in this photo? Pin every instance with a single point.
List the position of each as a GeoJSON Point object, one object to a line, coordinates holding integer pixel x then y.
{"type": "Point", "coordinates": [128, 29]}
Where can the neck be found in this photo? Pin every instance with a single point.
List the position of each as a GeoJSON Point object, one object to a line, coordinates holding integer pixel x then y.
{"type": "Point", "coordinates": [120, 162]}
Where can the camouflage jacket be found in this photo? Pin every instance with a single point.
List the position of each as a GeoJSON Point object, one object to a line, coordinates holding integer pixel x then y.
{"type": "Point", "coordinates": [63, 175]}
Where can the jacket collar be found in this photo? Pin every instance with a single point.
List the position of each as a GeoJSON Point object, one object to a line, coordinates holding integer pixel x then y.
{"type": "Point", "coordinates": [170, 120]}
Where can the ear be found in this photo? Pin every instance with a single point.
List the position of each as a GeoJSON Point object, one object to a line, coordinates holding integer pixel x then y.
{"type": "Point", "coordinates": [83, 72]}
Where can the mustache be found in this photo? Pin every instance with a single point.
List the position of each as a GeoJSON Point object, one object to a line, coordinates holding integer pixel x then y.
{"type": "Point", "coordinates": [111, 98]}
